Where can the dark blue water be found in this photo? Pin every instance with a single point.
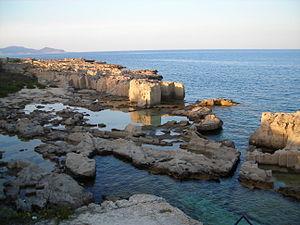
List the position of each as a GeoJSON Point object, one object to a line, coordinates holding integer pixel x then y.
{"type": "Point", "coordinates": [261, 80]}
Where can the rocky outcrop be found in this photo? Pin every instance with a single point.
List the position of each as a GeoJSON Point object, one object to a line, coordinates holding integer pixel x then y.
{"type": "Point", "coordinates": [216, 102]}
{"type": "Point", "coordinates": [80, 166]}
{"type": "Point", "coordinates": [34, 188]}
{"type": "Point", "coordinates": [143, 87]}
{"type": "Point", "coordinates": [284, 158]}
{"type": "Point", "coordinates": [138, 209]}
{"type": "Point", "coordinates": [278, 131]}
{"type": "Point", "coordinates": [211, 161]}
{"type": "Point", "coordinates": [253, 177]}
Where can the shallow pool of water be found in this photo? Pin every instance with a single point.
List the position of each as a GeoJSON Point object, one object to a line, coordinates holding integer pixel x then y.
{"type": "Point", "coordinates": [17, 149]}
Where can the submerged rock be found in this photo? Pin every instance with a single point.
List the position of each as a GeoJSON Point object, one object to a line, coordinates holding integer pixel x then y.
{"type": "Point", "coordinates": [80, 166]}
{"type": "Point", "coordinates": [138, 209]}
{"type": "Point", "coordinates": [253, 177]}
{"type": "Point", "coordinates": [293, 192]}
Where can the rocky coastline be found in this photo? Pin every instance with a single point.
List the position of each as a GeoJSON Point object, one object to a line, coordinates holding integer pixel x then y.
{"type": "Point", "coordinates": [178, 149]}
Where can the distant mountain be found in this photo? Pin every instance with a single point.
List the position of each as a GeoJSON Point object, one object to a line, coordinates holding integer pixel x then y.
{"type": "Point", "coordinates": [20, 50]}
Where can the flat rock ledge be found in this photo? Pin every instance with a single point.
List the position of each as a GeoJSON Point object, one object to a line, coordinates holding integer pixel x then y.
{"type": "Point", "coordinates": [138, 209]}
{"type": "Point", "coordinates": [205, 160]}
{"type": "Point", "coordinates": [253, 177]}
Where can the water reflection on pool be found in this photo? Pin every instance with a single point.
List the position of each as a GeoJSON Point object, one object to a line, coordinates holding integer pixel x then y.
{"type": "Point", "coordinates": [111, 118]}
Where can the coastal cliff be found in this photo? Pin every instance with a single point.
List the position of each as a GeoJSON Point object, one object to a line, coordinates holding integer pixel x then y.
{"type": "Point", "coordinates": [143, 87]}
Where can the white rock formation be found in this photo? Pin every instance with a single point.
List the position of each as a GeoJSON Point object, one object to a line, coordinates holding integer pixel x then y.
{"type": "Point", "coordinates": [137, 210]}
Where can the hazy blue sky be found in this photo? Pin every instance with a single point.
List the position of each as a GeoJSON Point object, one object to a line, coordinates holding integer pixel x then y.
{"type": "Point", "coordinates": [150, 24]}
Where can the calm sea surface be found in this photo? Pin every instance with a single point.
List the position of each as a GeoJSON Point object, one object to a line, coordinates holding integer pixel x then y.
{"type": "Point", "coordinates": [261, 80]}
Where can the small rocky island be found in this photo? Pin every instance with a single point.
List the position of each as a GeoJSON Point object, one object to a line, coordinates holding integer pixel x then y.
{"type": "Point", "coordinates": [57, 111]}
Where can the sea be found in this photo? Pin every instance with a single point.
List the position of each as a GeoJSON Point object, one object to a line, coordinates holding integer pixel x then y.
{"type": "Point", "coordinates": [260, 80]}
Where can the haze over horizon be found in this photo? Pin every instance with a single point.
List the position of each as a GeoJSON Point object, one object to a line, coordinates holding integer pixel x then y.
{"type": "Point", "coordinates": [116, 25]}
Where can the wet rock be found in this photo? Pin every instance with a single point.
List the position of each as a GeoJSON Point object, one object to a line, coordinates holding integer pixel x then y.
{"type": "Point", "coordinates": [278, 131]}
{"type": "Point", "coordinates": [28, 128]}
{"type": "Point", "coordinates": [209, 123]}
{"type": "Point", "coordinates": [293, 192]}
{"type": "Point", "coordinates": [80, 166]}
{"type": "Point", "coordinates": [253, 177]}
{"type": "Point", "coordinates": [34, 188]}
{"type": "Point", "coordinates": [138, 209]}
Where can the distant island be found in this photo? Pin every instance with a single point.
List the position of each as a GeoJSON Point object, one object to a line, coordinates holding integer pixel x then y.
{"type": "Point", "coordinates": [20, 50]}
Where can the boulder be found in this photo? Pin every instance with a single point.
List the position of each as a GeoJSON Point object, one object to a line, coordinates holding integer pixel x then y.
{"type": "Point", "coordinates": [210, 123]}
{"type": "Point", "coordinates": [253, 177]}
{"type": "Point", "coordinates": [138, 209]}
{"type": "Point", "coordinates": [80, 166]}
{"type": "Point", "coordinates": [278, 131]}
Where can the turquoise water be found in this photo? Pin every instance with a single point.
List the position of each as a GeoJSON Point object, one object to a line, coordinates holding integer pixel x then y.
{"type": "Point", "coordinates": [261, 80]}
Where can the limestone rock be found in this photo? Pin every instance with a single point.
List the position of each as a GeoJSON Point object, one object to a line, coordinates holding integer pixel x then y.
{"type": "Point", "coordinates": [28, 128]}
{"type": "Point", "coordinates": [283, 158]}
{"type": "Point", "coordinates": [278, 131]}
{"type": "Point", "coordinates": [181, 164]}
{"type": "Point", "coordinates": [144, 92]}
{"type": "Point", "coordinates": [138, 209]}
{"type": "Point", "coordinates": [210, 123]}
{"type": "Point", "coordinates": [34, 188]}
{"type": "Point", "coordinates": [216, 102]}
{"type": "Point", "coordinates": [80, 166]}
{"type": "Point", "coordinates": [254, 177]}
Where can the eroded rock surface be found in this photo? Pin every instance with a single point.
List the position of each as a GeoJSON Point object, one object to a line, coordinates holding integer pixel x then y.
{"type": "Point", "coordinates": [254, 177]}
{"type": "Point", "coordinates": [278, 131]}
{"type": "Point", "coordinates": [104, 78]}
{"type": "Point", "coordinates": [80, 166]}
{"type": "Point", "coordinates": [211, 161]}
{"type": "Point", "coordinates": [32, 187]}
{"type": "Point", "coordinates": [138, 209]}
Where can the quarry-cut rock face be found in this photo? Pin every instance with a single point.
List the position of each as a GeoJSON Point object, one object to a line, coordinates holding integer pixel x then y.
{"type": "Point", "coordinates": [278, 131]}
{"type": "Point", "coordinates": [143, 87]}
{"type": "Point", "coordinates": [138, 209]}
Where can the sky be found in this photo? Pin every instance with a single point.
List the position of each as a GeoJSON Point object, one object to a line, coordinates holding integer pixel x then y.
{"type": "Point", "coordinates": [108, 25]}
